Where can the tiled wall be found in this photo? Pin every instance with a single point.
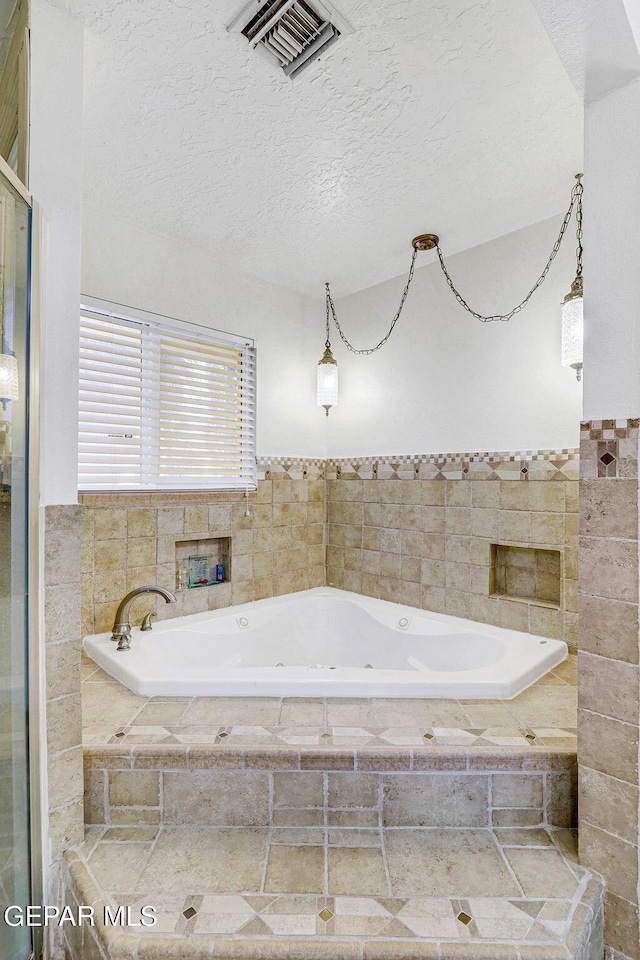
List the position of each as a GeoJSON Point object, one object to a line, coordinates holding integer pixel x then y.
{"type": "Point", "coordinates": [65, 823]}
{"type": "Point", "coordinates": [414, 530]}
{"type": "Point", "coordinates": [175, 796]}
{"type": "Point", "coordinates": [395, 535]}
{"type": "Point", "coordinates": [608, 684]}
{"type": "Point", "coordinates": [129, 540]}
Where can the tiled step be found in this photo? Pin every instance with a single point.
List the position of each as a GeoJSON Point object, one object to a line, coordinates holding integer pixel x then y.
{"type": "Point", "coordinates": [324, 893]}
{"type": "Point", "coordinates": [256, 786]}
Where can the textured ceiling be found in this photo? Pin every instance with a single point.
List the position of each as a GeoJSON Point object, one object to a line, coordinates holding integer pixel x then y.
{"type": "Point", "coordinates": [451, 116]}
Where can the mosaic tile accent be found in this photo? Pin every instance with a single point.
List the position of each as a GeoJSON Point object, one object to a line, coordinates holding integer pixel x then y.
{"type": "Point", "coordinates": [523, 465]}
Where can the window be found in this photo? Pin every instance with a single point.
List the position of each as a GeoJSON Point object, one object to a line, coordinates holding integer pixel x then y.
{"type": "Point", "coordinates": [164, 405]}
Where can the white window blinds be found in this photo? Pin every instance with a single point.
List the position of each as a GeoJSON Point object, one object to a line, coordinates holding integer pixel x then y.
{"type": "Point", "coordinates": [164, 407]}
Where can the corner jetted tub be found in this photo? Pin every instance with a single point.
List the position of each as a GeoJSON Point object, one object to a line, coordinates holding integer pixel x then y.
{"type": "Point", "coordinates": [326, 643]}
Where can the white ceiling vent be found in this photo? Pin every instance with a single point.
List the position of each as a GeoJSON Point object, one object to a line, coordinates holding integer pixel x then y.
{"type": "Point", "coordinates": [292, 33]}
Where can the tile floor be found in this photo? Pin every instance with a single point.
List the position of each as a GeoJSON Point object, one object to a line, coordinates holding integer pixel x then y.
{"type": "Point", "coordinates": [402, 883]}
{"type": "Point", "coordinates": [544, 715]}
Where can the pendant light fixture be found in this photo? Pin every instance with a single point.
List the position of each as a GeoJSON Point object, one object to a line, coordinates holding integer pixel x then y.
{"type": "Point", "coordinates": [572, 307]}
{"type": "Point", "coordinates": [327, 381]}
{"type": "Point", "coordinates": [572, 314]}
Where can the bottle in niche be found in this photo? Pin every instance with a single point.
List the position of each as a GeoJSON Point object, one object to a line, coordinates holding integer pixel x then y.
{"type": "Point", "coordinates": [219, 572]}
{"type": "Point", "coordinates": [182, 577]}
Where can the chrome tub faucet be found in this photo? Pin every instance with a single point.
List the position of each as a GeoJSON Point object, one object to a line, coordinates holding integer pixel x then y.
{"type": "Point", "coordinates": [122, 627]}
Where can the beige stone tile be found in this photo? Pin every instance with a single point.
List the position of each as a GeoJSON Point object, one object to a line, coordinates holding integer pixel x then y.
{"type": "Point", "coordinates": [196, 518]}
{"type": "Point", "coordinates": [515, 526]}
{"type": "Point", "coordinates": [485, 522]}
{"type": "Point", "coordinates": [609, 568]}
{"type": "Point", "coordinates": [609, 628]}
{"type": "Point", "coordinates": [547, 528]}
{"type": "Point", "coordinates": [514, 495]}
{"type": "Point", "coordinates": [609, 746]}
{"type": "Point", "coordinates": [141, 522]}
{"type": "Point", "coordinates": [544, 622]}
{"type": "Point", "coordinates": [513, 817]}
{"type": "Point", "coordinates": [131, 788]}
{"type": "Point", "coordinates": [110, 523]}
{"type": "Point", "coordinates": [345, 837]}
{"type": "Point", "coordinates": [609, 508]}
{"type": "Point", "coordinates": [513, 615]}
{"type": "Point", "coordinates": [441, 863]}
{"type": "Point", "coordinates": [546, 497]}
{"type": "Point", "coordinates": [298, 818]}
{"type": "Point", "coordinates": [545, 706]}
{"type": "Point", "coordinates": [117, 866]}
{"type": "Point", "coordinates": [170, 521]}
{"type": "Point", "coordinates": [216, 798]}
{"type": "Point", "coordinates": [357, 872]}
{"type": "Point", "coordinates": [562, 799]}
{"type": "Point", "coordinates": [433, 492]}
{"type": "Point", "coordinates": [539, 871]}
{"type": "Point", "coordinates": [448, 800]}
{"type": "Point", "coordinates": [483, 713]}
{"type": "Point", "coordinates": [295, 870]}
{"type": "Point", "coordinates": [458, 520]}
{"type": "Point", "coordinates": [227, 711]}
{"type": "Point", "coordinates": [609, 804]}
{"type": "Point", "coordinates": [94, 795]}
{"type": "Point", "coordinates": [432, 546]}
{"type": "Point", "coordinates": [599, 677]}
{"type": "Point", "coordinates": [434, 573]}
{"type": "Point", "coordinates": [109, 704]}
{"type": "Point", "coordinates": [63, 668]}
{"type": "Point", "coordinates": [621, 928]}
{"type": "Point", "coordinates": [298, 789]}
{"type": "Point", "coordinates": [216, 860]}
{"type": "Point", "coordinates": [417, 712]}
{"type": "Point", "coordinates": [433, 520]}
{"type": "Point", "coordinates": [615, 859]}
{"type": "Point", "coordinates": [64, 723]}
{"type": "Point", "coordinates": [161, 714]}
{"type": "Point", "coordinates": [516, 790]}
{"type": "Point", "coordinates": [353, 790]}
{"type": "Point", "coordinates": [109, 555]}
{"type": "Point", "coordinates": [518, 837]}
{"type": "Point", "coordinates": [141, 552]}
{"type": "Point", "coordinates": [353, 818]}
{"type": "Point", "coordinates": [65, 777]}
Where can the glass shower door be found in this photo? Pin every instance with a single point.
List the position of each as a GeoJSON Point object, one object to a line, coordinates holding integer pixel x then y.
{"type": "Point", "coordinates": [15, 227]}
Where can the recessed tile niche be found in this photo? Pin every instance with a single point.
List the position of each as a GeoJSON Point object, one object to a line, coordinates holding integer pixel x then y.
{"type": "Point", "coordinates": [218, 548]}
{"type": "Point", "coordinates": [526, 574]}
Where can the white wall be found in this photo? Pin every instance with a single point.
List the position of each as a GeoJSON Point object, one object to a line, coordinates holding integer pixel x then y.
{"type": "Point", "coordinates": [55, 180]}
{"type": "Point", "coordinates": [446, 382]}
{"type": "Point", "coordinates": [134, 267]}
{"type": "Point", "coordinates": [612, 285]}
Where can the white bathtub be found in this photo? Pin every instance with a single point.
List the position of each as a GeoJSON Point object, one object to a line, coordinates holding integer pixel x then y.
{"type": "Point", "coordinates": [326, 643]}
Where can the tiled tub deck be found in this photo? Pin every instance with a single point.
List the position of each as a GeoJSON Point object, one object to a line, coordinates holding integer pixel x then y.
{"type": "Point", "coordinates": [383, 829]}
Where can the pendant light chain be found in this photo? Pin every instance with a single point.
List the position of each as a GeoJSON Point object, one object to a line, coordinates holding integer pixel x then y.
{"type": "Point", "coordinates": [576, 200]}
{"type": "Point", "coordinates": [579, 190]}
{"type": "Point", "coordinates": [331, 306]}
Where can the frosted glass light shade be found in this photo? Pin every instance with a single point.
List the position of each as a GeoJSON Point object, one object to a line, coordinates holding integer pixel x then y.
{"type": "Point", "coordinates": [327, 383]}
{"type": "Point", "coordinates": [8, 377]}
{"type": "Point", "coordinates": [572, 332]}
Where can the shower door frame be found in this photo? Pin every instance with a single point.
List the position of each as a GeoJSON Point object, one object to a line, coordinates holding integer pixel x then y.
{"type": "Point", "coordinates": [35, 678]}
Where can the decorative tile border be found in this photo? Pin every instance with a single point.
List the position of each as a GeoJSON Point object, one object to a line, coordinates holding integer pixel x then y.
{"type": "Point", "coordinates": [509, 465]}
{"type": "Point", "coordinates": [523, 465]}
{"type": "Point", "coordinates": [609, 449]}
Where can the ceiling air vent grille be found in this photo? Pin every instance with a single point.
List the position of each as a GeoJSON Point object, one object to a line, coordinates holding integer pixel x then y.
{"type": "Point", "coordinates": [294, 33]}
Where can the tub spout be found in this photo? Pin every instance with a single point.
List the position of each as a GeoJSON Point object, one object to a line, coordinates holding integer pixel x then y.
{"type": "Point", "coordinates": [121, 626]}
